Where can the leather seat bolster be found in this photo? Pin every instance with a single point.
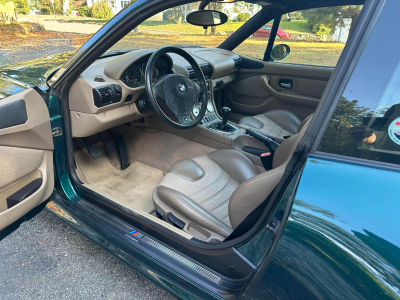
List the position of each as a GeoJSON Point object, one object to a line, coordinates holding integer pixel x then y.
{"type": "Point", "coordinates": [250, 194]}
{"type": "Point", "coordinates": [252, 122]}
{"type": "Point", "coordinates": [286, 119]}
{"type": "Point", "coordinates": [236, 164]}
{"type": "Point", "coordinates": [304, 122]}
{"type": "Point", "coordinates": [187, 169]}
{"type": "Point", "coordinates": [193, 211]}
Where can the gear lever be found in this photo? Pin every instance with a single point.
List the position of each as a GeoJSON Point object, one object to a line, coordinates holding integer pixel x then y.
{"type": "Point", "coordinates": [223, 125]}
{"type": "Point", "coordinates": [226, 111]}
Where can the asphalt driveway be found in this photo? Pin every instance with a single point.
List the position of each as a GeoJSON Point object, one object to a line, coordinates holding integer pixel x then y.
{"type": "Point", "coordinates": [47, 259]}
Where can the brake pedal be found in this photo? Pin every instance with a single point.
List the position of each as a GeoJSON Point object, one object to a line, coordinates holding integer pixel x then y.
{"type": "Point", "coordinates": [94, 151]}
{"type": "Point", "coordinates": [109, 143]}
{"type": "Point", "coordinates": [123, 153]}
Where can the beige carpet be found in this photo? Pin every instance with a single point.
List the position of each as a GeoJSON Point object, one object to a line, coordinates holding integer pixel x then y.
{"type": "Point", "coordinates": [132, 187]}
{"type": "Point", "coordinates": [151, 154]}
{"type": "Point", "coordinates": [158, 149]}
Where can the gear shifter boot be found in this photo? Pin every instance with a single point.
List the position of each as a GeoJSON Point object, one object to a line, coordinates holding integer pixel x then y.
{"type": "Point", "coordinates": [218, 125]}
{"type": "Point", "coordinates": [223, 125]}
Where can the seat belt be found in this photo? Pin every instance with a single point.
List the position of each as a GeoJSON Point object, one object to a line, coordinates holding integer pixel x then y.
{"type": "Point", "coordinates": [249, 221]}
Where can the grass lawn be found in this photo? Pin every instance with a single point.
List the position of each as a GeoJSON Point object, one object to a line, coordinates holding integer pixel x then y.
{"type": "Point", "coordinates": [166, 26]}
{"type": "Point", "coordinates": [296, 26]}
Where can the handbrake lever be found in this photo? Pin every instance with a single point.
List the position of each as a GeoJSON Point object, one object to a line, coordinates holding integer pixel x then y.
{"type": "Point", "coordinates": [270, 143]}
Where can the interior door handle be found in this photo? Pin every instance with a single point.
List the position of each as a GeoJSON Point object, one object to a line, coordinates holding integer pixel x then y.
{"type": "Point", "coordinates": [289, 97]}
{"type": "Point", "coordinates": [265, 79]}
{"type": "Point", "coordinates": [286, 85]}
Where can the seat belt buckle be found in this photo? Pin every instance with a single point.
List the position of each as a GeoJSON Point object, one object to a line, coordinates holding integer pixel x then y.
{"type": "Point", "coordinates": [266, 159]}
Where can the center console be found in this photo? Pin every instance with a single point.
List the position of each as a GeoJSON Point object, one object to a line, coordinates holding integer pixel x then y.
{"type": "Point", "coordinates": [216, 131]}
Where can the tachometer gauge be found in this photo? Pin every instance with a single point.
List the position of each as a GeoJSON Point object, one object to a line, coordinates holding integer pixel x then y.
{"type": "Point", "coordinates": [155, 74]}
{"type": "Point", "coordinates": [133, 75]}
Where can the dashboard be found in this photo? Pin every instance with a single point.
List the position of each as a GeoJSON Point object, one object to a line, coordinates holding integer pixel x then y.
{"type": "Point", "coordinates": [112, 91]}
{"type": "Point", "coordinates": [134, 75]}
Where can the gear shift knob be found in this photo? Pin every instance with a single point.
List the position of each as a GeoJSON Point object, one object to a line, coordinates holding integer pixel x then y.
{"type": "Point", "coordinates": [225, 115]}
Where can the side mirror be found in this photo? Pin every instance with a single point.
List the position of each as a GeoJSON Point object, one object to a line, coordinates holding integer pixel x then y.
{"type": "Point", "coordinates": [206, 18]}
{"type": "Point", "coordinates": [280, 51]}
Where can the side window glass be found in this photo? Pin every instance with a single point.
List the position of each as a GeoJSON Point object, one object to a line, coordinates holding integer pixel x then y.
{"type": "Point", "coordinates": [255, 45]}
{"type": "Point", "coordinates": [366, 121]}
{"type": "Point", "coordinates": [317, 36]}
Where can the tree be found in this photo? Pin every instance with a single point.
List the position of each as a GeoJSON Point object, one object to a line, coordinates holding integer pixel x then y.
{"type": "Point", "coordinates": [330, 17]}
{"type": "Point", "coordinates": [243, 7]}
{"type": "Point", "coordinates": [102, 10]}
{"type": "Point", "coordinates": [22, 6]}
{"type": "Point", "coordinates": [337, 136]}
{"type": "Point", "coordinates": [213, 6]}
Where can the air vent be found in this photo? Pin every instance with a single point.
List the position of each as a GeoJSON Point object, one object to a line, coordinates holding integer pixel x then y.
{"type": "Point", "coordinates": [206, 69]}
{"type": "Point", "coordinates": [99, 78]}
{"type": "Point", "coordinates": [107, 95]}
{"type": "Point", "coordinates": [238, 62]}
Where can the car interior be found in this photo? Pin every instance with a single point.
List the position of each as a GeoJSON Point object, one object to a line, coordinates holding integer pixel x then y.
{"type": "Point", "coordinates": [202, 181]}
{"type": "Point", "coordinates": [192, 138]}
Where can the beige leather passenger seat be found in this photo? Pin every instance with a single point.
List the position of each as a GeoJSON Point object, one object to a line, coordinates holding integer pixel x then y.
{"type": "Point", "coordinates": [215, 192]}
{"type": "Point", "coordinates": [275, 123]}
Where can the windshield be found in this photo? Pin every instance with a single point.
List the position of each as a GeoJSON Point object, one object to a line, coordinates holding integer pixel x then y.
{"type": "Point", "coordinates": [169, 28]}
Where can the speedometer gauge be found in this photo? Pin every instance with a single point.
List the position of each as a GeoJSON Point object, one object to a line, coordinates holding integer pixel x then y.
{"type": "Point", "coordinates": [133, 75]}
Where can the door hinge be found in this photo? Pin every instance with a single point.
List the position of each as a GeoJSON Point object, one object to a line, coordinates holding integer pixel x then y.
{"type": "Point", "coordinates": [55, 132]}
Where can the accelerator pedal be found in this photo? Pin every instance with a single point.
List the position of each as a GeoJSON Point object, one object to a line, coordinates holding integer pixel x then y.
{"type": "Point", "coordinates": [123, 153]}
{"type": "Point", "coordinates": [94, 151]}
{"type": "Point", "coordinates": [108, 141]}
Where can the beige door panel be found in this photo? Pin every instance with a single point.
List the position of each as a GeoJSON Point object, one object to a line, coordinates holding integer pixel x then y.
{"type": "Point", "coordinates": [292, 70]}
{"type": "Point", "coordinates": [26, 154]}
{"type": "Point", "coordinates": [258, 94]}
{"type": "Point", "coordinates": [288, 95]}
{"type": "Point", "coordinates": [257, 91]}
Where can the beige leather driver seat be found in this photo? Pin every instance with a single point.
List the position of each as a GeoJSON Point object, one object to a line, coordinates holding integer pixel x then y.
{"type": "Point", "coordinates": [218, 190]}
{"type": "Point", "coordinates": [275, 123]}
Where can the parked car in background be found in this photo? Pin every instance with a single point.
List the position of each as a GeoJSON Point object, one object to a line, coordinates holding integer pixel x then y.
{"type": "Point", "coordinates": [265, 32]}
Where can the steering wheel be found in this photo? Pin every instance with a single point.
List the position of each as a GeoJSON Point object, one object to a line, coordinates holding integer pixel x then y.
{"type": "Point", "coordinates": [178, 92]}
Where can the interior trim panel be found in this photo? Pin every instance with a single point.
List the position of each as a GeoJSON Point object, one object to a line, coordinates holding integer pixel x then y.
{"type": "Point", "coordinates": [13, 114]}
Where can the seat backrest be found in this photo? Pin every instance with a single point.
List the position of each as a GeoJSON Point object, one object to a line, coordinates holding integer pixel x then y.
{"type": "Point", "coordinates": [252, 192]}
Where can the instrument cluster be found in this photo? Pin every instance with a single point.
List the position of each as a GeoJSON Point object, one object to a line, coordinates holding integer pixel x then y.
{"type": "Point", "coordinates": [134, 75]}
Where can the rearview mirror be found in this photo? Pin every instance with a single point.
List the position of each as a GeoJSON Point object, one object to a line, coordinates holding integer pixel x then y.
{"type": "Point", "coordinates": [280, 51]}
{"type": "Point", "coordinates": [206, 18]}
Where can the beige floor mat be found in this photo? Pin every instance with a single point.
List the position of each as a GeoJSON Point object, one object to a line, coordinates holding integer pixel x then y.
{"type": "Point", "coordinates": [158, 149]}
{"type": "Point", "coordinates": [132, 187]}
{"type": "Point", "coordinates": [151, 155]}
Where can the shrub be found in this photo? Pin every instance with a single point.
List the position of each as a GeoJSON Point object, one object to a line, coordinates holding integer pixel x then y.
{"type": "Point", "coordinates": [174, 14]}
{"type": "Point", "coordinates": [22, 6]}
{"type": "Point", "coordinates": [85, 11]}
{"type": "Point", "coordinates": [167, 15]}
{"type": "Point", "coordinates": [6, 8]}
{"type": "Point", "coordinates": [101, 10]}
{"type": "Point", "coordinates": [243, 17]}
{"type": "Point", "coordinates": [20, 28]}
{"type": "Point", "coordinates": [46, 10]}
{"type": "Point", "coordinates": [321, 29]}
